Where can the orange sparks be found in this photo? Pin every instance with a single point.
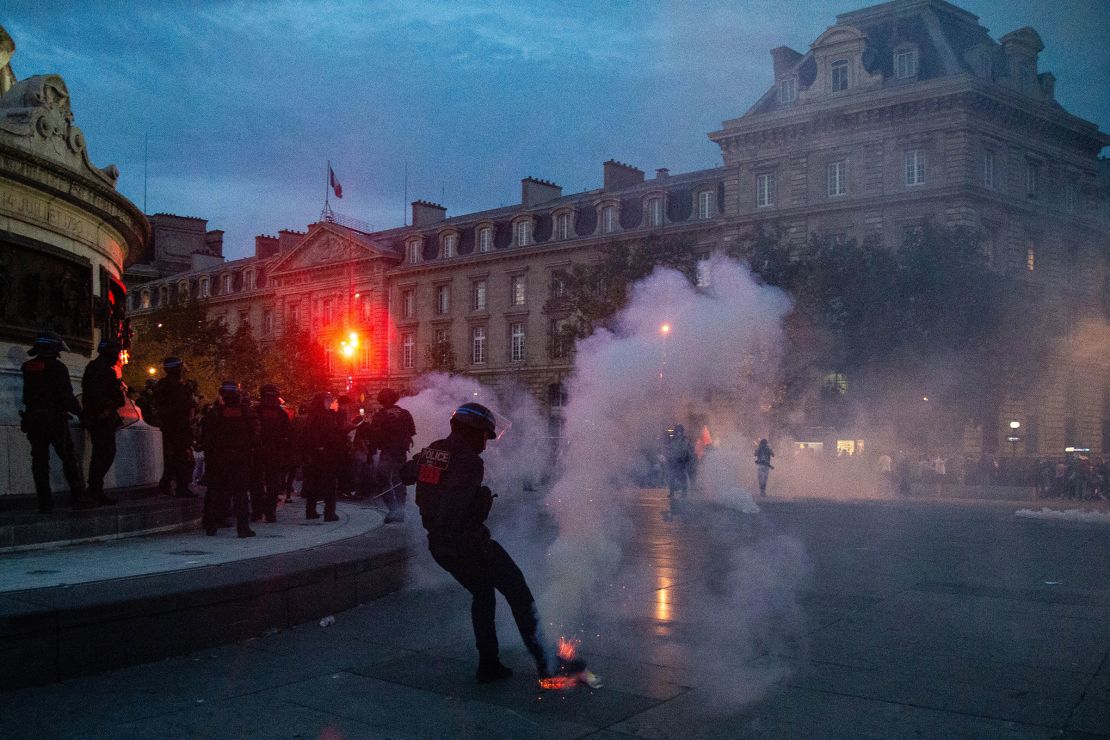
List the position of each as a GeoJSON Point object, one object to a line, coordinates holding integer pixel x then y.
{"type": "Point", "coordinates": [568, 648]}
{"type": "Point", "coordinates": [558, 683]}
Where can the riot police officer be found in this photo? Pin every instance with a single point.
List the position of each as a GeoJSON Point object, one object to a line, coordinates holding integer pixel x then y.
{"type": "Point", "coordinates": [391, 431]}
{"type": "Point", "coordinates": [48, 401]}
{"type": "Point", "coordinates": [230, 443]}
{"type": "Point", "coordinates": [101, 396]}
{"type": "Point", "coordinates": [322, 440]}
{"type": "Point", "coordinates": [273, 452]}
{"type": "Point", "coordinates": [174, 406]}
{"type": "Point", "coordinates": [453, 508]}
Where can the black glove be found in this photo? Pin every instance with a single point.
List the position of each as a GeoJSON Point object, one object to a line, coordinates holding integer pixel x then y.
{"type": "Point", "coordinates": [483, 503]}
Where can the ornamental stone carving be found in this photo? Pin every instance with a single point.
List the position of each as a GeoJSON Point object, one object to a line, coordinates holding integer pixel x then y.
{"type": "Point", "coordinates": [37, 115]}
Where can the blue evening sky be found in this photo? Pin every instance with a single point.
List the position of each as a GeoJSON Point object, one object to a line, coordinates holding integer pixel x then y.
{"type": "Point", "coordinates": [244, 102]}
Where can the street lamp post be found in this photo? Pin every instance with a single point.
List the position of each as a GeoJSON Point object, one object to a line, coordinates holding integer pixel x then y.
{"type": "Point", "coordinates": [1013, 437]}
{"type": "Point", "coordinates": [347, 348]}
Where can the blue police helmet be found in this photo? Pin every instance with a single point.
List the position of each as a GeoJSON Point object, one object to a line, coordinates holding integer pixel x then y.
{"type": "Point", "coordinates": [476, 416]}
{"type": "Point", "coordinates": [48, 343]}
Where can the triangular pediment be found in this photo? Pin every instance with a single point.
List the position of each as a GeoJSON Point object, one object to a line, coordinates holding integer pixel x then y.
{"type": "Point", "coordinates": [327, 244]}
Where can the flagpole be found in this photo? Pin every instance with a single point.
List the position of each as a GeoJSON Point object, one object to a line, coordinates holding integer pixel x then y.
{"type": "Point", "coordinates": [327, 187]}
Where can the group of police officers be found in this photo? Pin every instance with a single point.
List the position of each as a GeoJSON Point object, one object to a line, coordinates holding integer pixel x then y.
{"type": "Point", "coordinates": [247, 449]}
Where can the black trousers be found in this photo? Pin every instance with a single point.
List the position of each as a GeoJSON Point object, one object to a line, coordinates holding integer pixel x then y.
{"type": "Point", "coordinates": [43, 433]}
{"type": "Point", "coordinates": [177, 462]}
{"type": "Point", "coordinates": [320, 482]}
{"type": "Point", "coordinates": [228, 486]}
{"type": "Point", "coordinates": [103, 442]}
{"type": "Point", "coordinates": [273, 483]}
{"type": "Point", "coordinates": [483, 574]}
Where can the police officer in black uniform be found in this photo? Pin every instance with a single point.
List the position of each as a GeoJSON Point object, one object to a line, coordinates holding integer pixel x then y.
{"type": "Point", "coordinates": [273, 452]}
{"type": "Point", "coordinates": [230, 443]}
{"type": "Point", "coordinates": [391, 431]}
{"type": "Point", "coordinates": [48, 401]}
{"type": "Point", "coordinates": [101, 396]}
{"type": "Point", "coordinates": [453, 507]}
{"type": "Point", "coordinates": [322, 439]}
{"type": "Point", "coordinates": [174, 406]}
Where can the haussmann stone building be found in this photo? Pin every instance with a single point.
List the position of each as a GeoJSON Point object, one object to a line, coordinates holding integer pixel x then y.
{"type": "Point", "coordinates": [898, 114]}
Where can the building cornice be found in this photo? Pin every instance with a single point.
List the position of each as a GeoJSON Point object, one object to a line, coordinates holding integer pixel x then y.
{"type": "Point", "coordinates": [868, 109]}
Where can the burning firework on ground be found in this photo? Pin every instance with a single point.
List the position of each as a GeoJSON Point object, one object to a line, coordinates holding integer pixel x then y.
{"type": "Point", "coordinates": [572, 669]}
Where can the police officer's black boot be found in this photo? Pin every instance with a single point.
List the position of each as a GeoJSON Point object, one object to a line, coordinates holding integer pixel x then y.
{"type": "Point", "coordinates": [491, 669]}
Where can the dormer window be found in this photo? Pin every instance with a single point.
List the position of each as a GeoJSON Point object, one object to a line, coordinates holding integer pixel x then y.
{"type": "Point", "coordinates": [839, 75]}
{"type": "Point", "coordinates": [905, 64]}
{"type": "Point", "coordinates": [449, 246]}
{"type": "Point", "coordinates": [562, 226]}
{"type": "Point", "coordinates": [788, 89]}
{"type": "Point", "coordinates": [183, 291]}
{"type": "Point", "coordinates": [608, 219]}
{"type": "Point", "coordinates": [523, 233]}
{"type": "Point", "coordinates": [655, 211]}
{"type": "Point", "coordinates": [146, 299]}
{"type": "Point", "coordinates": [203, 292]}
{"type": "Point", "coordinates": [485, 239]}
{"type": "Point", "coordinates": [228, 282]}
{"type": "Point", "coordinates": [412, 251]}
{"type": "Point", "coordinates": [705, 204]}
{"type": "Point", "coordinates": [249, 280]}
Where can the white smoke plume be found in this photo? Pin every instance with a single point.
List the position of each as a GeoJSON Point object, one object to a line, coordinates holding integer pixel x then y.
{"type": "Point", "coordinates": [677, 354]}
{"type": "Point", "coordinates": [705, 357]}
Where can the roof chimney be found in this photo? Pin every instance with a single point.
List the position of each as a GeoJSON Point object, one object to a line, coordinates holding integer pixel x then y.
{"type": "Point", "coordinates": [662, 173]}
{"type": "Point", "coordinates": [424, 212]}
{"type": "Point", "coordinates": [266, 246]}
{"type": "Point", "coordinates": [783, 58]}
{"type": "Point", "coordinates": [534, 191]}
{"type": "Point", "coordinates": [289, 239]}
{"type": "Point", "coordinates": [214, 242]}
{"type": "Point", "coordinates": [619, 175]}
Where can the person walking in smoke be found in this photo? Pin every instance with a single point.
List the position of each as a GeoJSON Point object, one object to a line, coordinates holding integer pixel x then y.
{"type": "Point", "coordinates": [679, 457]}
{"type": "Point", "coordinates": [763, 466]}
{"type": "Point", "coordinates": [391, 431]}
{"type": "Point", "coordinates": [453, 508]}
{"type": "Point", "coordinates": [174, 406]}
{"type": "Point", "coordinates": [48, 402]}
{"type": "Point", "coordinates": [101, 396]}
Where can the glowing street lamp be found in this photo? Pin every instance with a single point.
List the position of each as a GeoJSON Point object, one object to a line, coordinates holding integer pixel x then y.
{"type": "Point", "coordinates": [152, 370]}
{"type": "Point", "coordinates": [664, 328]}
{"type": "Point", "coordinates": [1013, 437]}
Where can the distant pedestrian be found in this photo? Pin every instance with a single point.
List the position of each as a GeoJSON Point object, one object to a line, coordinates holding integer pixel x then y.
{"type": "Point", "coordinates": [175, 407]}
{"type": "Point", "coordinates": [391, 432]}
{"type": "Point", "coordinates": [230, 443]}
{"type": "Point", "coordinates": [102, 396]}
{"type": "Point", "coordinates": [679, 456]}
{"type": "Point", "coordinates": [48, 402]}
{"type": "Point", "coordinates": [763, 466]}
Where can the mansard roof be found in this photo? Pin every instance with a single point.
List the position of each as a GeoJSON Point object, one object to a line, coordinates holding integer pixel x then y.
{"type": "Point", "coordinates": [941, 32]}
{"type": "Point", "coordinates": [680, 181]}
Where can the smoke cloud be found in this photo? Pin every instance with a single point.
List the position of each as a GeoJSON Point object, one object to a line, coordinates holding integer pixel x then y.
{"type": "Point", "coordinates": [716, 596]}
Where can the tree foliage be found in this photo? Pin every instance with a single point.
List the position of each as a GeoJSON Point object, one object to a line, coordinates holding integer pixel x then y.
{"type": "Point", "coordinates": [926, 317]}
{"type": "Point", "coordinates": [296, 363]}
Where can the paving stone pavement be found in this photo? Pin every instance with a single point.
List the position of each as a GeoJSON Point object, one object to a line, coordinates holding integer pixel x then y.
{"type": "Point", "coordinates": [896, 620]}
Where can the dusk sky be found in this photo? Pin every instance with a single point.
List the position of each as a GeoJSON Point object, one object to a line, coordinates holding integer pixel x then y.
{"type": "Point", "coordinates": [244, 102]}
